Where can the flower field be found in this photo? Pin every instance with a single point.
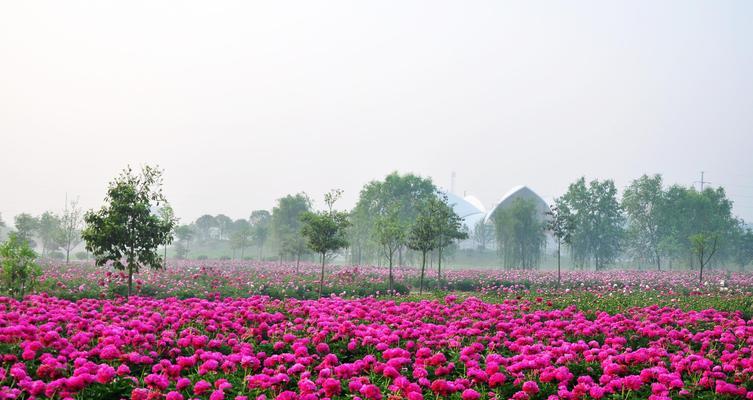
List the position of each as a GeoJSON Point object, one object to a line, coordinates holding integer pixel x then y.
{"type": "Point", "coordinates": [612, 335]}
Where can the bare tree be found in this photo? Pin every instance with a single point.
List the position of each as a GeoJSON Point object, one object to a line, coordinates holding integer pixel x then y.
{"type": "Point", "coordinates": [71, 228]}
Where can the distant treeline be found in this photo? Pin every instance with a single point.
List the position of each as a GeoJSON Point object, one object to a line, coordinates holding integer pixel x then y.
{"type": "Point", "coordinates": [668, 227]}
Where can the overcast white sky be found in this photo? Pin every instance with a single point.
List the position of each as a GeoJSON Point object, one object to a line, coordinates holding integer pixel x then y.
{"type": "Point", "coordinates": [244, 102]}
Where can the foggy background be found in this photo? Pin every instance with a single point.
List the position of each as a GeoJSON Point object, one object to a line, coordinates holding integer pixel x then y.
{"type": "Point", "coordinates": [242, 103]}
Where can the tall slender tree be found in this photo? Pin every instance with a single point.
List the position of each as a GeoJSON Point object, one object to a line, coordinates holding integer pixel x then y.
{"type": "Point", "coordinates": [561, 227]}
{"type": "Point", "coordinates": [325, 231]}
{"type": "Point", "coordinates": [390, 234]}
{"type": "Point", "coordinates": [644, 204]}
{"type": "Point", "coordinates": [71, 228]}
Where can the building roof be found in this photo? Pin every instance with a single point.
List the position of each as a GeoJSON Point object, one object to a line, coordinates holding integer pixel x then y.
{"type": "Point", "coordinates": [518, 192]}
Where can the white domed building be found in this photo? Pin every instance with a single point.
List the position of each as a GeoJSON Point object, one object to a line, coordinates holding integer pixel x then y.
{"type": "Point", "coordinates": [473, 212]}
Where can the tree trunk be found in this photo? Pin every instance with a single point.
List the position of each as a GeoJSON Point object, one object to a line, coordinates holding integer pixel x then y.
{"type": "Point", "coordinates": [297, 261]}
{"type": "Point", "coordinates": [164, 266]}
{"type": "Point", "coordinates": [423, 268]}
{"type": "Point", "coordinates": [559, 268]}
{"type": "Point", "coordinates": [390, 258]}
{"type": "Point", "coordinates": [130, 278]}
{"type": "Point", "coordinates": [321, 277]}
{"type": "Point", "coordinates": [439, 266]}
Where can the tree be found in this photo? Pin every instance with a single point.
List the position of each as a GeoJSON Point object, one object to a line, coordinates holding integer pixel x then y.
{"type": "Point", "coordinates": [481, 235]}
{"type": "Point", "coordinates": [689, 212]}
{"type": "Point", "coordinates": [204, 224]}
{"type": "Point", "coordinates": [390, 234]}
{"type": "Point", "coordinates": [705, 245]}
{"type": "Point", "coordinates": [325, 231]}
{"type": "Point", "coordinates": [224, 224]}
{"type": "Point", "coordinates": [50, 232]}
{"type": "Point", "coordinates": [644, 205]}
{"type": "Point", "coordinates": [184, 234]}
{"type": "Point", "coordinates": [125, 231]}
{"type": "Point", "coordinates": [561, 227]}
{"type": "Point", "coordinates": [449, 229]}
{"type": "Point", "coordinates": [424, 232]}
{"type": "Point", "coordinates": [260, 227]}
{"type": "Point", "coordinates": [376, 197]}
{"type": "Point", "coordinates": [241, 236]}
{"type": "Point", "coordinates": [19, 270]}
{"type": "Point", "coordinates": [168, 216]}
{"type": "Point", "coordinates": [744, 246]}
{"type": "Point", "coordinates": [26, 226]}
{"type": "Point", "coordinates": [287, 225]}
{"type": "Point", "coordinates": [71, 228]}
{"type": "Point", "coordinates": [597, 219]}
{"type": "Point", "coordinates": [519, 230]}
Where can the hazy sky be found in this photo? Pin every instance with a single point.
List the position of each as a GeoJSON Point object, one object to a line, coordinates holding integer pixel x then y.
{"type": "Point", "coordinates": [244, 102]}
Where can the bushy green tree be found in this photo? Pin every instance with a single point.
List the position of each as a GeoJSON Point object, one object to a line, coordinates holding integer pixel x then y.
{"type": "Point", "coordinates": [261, 221]}
{"type": "Point", "coordinates": [287, 225]}
{"type": "Point", "coordinates": [26, 228]}
{"type": "Point", "coordinates": [204, 226]}
{"type": "Point", "coordinates": [644, 203]}
{"type": "Point", "coordinates": [167, 214]}
{"type": "Point", "coordinates": [402, 192]}
{"type": "Point", "coordinates": [597, 219]}
{"type": "Point", "coordinates": [689, 212]}
{"type": "Point", "coordinates": [325, 231]}
{"type": "Point", "coordinates": [520, 235]}
{"type": "Point", "coordinates": [743, 245]}
{"type": "Point", "coordinates": [50, 232]}
{"type": "Point", "coordinates": [19, 269]}
{"type": "Point", "coordinates": [424, 232]}
{"type": "Point", "coordinates": [224, 225]}
{"type": "Point", "coordinates": [125, 231]}
{"type": "Point", "coordinates": [390, 233]}
{"type": "Point", "coordinates": [241, 236]}
{"type": "Point", "coordinates": [184, 233]}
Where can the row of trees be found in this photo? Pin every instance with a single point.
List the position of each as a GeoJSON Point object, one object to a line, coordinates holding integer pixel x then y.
{"type": "Point", "coordinates": [650, 224]}
{"type": "Point", "coordinates": [56, 234]}
{"type": "Point", "coordinates": [126, 231]}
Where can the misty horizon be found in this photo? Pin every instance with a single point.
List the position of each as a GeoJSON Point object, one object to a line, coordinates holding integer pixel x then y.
{"type": "Point", "coordinates": [245, 103]}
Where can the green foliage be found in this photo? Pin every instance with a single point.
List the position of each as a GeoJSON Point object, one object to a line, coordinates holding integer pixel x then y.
{"type": "Point", "coordinates": [224, 225]}
{"type": "Point", "coordinates": [286, 223]}
{"type": "Point", "coordinates": [396, 193]}
{"type": "Point", "coordinates": [50, 231]}
{"type": "Point", "coordinates": [435, 226]}
{"type": "Point", "coordinates": [597, 221]}
{"type": "Point", "coordinates": [125, 231]}
{"type": "Point", "coordinates": [743, 245]}
{"type": "Point", "coordinates": [644, 202]}
{"type": "Point", "coordinates": [26, 227]}
{"type": "Point", "coordinates": [520, 235]}
{"type": "Point", "coordinates": [390, 233]}
{"type": "Point", "coordinates": [261, 221]}
{"type": "Point", "coordinates": [689, 212]}
{"type": "Point", "coordinates": [325, 231]}
{"type": "Point", "coordinates": [241, 236]}
{"type": "Point", "coordinates": [204, 225]}
{"type": "Point", "coordinates": [705, 245]}
{"type": "Point", "coordinates": [19, 269]}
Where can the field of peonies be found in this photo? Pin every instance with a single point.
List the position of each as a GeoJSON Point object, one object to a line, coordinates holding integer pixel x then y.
{"type": "Point", "coordinates": [611, 335]}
